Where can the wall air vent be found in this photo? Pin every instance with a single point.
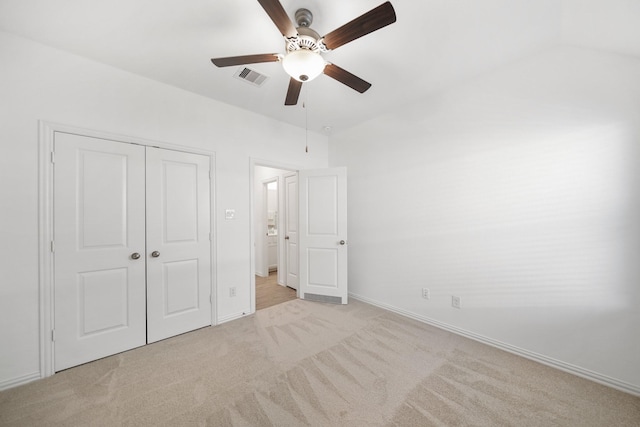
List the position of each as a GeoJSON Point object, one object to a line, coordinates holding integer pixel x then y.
{"type": "Point", "coordinates": [250, 76]}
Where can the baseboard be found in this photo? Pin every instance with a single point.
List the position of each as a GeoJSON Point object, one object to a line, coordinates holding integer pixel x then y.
{"type": "Point", "coordinates": [230, 317]}
{"type": "Point", "coordinates": [554, 363]}
{"type": "Point", "coordinates": [15, 382]}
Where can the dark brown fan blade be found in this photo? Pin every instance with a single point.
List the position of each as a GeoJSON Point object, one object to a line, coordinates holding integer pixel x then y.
{"type": "Point", "coordinates": [371, 21]}
{"type": "Point", "coordinates": [246, 59]}
{"type": "Point", "coordinates": [279, 17]}
{"type": "Point", "coordinates": [293, 92]}
{"type": "Point", "coordinates": [345, 77]}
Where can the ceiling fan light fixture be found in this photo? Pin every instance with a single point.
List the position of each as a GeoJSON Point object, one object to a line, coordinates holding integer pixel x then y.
{"type": "Point", "coordinates": [303, 64]}
{"type": "Point", "coordinates": [303, 61]}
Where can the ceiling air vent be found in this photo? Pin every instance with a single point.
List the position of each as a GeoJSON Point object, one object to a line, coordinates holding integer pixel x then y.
{"type": "Point", "coordinates": [250, 76]}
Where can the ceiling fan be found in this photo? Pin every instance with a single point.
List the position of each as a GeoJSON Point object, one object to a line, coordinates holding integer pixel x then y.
{"type": "Point", "coordinates": [304, 47]}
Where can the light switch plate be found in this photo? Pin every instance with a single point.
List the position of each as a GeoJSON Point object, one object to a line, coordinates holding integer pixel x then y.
{"type": "Point", "coordinates": [230, 214]}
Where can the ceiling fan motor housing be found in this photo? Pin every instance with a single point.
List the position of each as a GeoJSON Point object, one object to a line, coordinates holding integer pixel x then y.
{"type": "Point", "coordinates": [306, 39]}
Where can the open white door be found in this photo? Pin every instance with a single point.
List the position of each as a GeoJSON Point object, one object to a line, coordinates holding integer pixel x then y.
{"type": "Point", "coordinates": [291, 230]}
{"type": "Point", "coordinates": [322, 235]}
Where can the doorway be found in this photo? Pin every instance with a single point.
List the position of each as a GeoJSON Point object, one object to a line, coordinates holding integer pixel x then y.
{"type": "Point", "coordinates": [313, 247]}
{"type": "Point", "coordinates": [272, 217]}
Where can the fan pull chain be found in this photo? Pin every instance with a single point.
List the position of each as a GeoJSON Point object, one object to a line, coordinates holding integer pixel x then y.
{"type": "Point", "coordinates": [306, 125]}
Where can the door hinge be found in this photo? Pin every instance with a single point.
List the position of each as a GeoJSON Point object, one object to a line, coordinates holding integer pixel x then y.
{"type": "Point", "coordinates": [53, 246]}
{"type": "Point", "coordinates": [53, 335]}
{"type": "Point", "coordinates": [210, 298]}
{"type": "Point", "coordinates": [53, 157]}
{"type": "Point", "coordinates": [210, 237]}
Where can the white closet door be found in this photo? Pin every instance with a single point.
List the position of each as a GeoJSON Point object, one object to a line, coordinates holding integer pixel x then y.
{"type": "Point", "coordinates": [178, 246]}
{"type": "Point", "coordinates": [99, 226]}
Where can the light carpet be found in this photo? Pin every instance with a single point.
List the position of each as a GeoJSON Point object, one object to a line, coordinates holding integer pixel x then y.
{"type": "Point", "coordinates": [304, 363]}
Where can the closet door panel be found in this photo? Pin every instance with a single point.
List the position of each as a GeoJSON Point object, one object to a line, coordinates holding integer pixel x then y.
{"type": "Point", "coordinates": [99, 223]}
{"type": "Point", "coordinates": [178, 243]}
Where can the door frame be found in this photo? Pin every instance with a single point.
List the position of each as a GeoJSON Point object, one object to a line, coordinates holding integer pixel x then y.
{"type": "Point", "coordinates": [253, 162]}
{"type": "Point", "coordinates": [46, 132]}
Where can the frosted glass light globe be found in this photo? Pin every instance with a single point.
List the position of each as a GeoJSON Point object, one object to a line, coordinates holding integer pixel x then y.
{"type": "Point", "coordinates": [303, 64]}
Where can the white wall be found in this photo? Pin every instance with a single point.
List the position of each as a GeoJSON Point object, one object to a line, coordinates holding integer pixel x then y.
{"type": "Point", "coordinates": [40, 83]}
{"type": "Point", "coordinates": [518, 192]}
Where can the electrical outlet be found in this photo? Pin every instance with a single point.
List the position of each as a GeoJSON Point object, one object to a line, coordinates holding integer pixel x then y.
{"type": "Point", "coordinates": [455, 302]}
{"type": "Point", "coordinates": [425, 293]}
{"type": "Point", "coordinates": [232, 291]}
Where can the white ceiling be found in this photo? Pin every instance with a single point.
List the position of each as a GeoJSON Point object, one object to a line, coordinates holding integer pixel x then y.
{"type": "Point", "coordinates": [434, 44]}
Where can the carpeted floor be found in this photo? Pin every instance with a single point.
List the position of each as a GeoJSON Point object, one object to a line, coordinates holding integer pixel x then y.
{"type": "Point", "coordinates": [304, 363]}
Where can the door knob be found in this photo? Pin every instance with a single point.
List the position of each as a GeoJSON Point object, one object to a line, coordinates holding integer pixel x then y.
{"type": "Point", "coordinates": [135, 255]}
{"type": "Point", "coordinates": [155, 254]}
{"type": "Point", "coordinates": [286, 237]}
{"type": "Point", "coordinates": [342, 242]}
